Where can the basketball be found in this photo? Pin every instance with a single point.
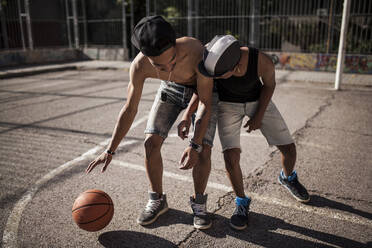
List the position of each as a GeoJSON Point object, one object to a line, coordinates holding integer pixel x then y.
{"type": "Point", "coordinates": [92, 210]}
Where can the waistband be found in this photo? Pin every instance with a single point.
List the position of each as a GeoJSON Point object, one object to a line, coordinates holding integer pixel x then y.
{"type": "Point", "coordinates": [178, 85]}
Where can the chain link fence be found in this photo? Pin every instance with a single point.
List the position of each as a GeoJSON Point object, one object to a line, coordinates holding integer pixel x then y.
{"type": "Point", "coordinates": [311, 26]}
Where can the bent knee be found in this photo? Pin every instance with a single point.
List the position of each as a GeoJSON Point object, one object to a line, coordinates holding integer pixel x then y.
{"type": "Point", "coordinates": [232, 158]}
{"type": "Point", "coordinates": [152, 143]}
{"type": "Point", "coordinates": [289, 150]}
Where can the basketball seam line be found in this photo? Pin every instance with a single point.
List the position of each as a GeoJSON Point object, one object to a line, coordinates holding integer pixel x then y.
{"type": "Point", "coordinates": [83, 223]}
{"type": "Point", "coordinates": [102, 194]}
{"type": "Point", "coordinates": [92, 204]}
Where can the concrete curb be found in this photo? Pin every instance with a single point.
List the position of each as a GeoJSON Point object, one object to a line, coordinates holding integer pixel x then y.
{"type": "Point", "coordinates": [34, 72]}
{"type": "Point", "coordinates": [282, 76]}
{"type": "Point", "coordinates": [29, 71]}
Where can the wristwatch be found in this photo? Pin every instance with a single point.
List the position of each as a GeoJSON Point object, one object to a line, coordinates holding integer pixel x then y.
{"type": "Point", "coordinates": [196, 147]}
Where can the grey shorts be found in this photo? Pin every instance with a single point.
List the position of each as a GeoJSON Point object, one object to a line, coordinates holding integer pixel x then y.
{"type": "Point", "coordinates": [230, 117]}
{"type": "Point", "coordinates": [171, 99]}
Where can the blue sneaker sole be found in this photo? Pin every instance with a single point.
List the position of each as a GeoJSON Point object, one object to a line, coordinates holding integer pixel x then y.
{"type": "Point", "coordinates": [297, 198]}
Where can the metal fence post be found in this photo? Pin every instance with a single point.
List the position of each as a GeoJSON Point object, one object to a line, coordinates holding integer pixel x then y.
{"type": "Point", "coordinates": [124, 17]}
{"type": "Point", "coordinates": [189, 18]}
{"type": "Point", "coordinates": [4, 31]}
{"type": "Point", "coordinates": [20, 14]}
{"type": "Point", "coordinates": [147, 7]}
{"type": "Point", "coordinates": [196, 5]}
{"type": "Point", "coordinates": [68, 24]}
{"type": "Point", "coordinates": [132, 25]}
{"type": "Point", "coordinates": [85, 24]}
{"type": "Point", "coordinates": [76, 24]}
{"type": "Point", "coordinates": [341, 47]}
{"type": "Point", "coordinates": [28, 22]}
{"type": "Point", "coordinates": [254, 31]}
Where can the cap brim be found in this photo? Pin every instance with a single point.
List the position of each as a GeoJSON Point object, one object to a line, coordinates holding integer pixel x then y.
{"type": "Point", "coordinates": [204, 71]}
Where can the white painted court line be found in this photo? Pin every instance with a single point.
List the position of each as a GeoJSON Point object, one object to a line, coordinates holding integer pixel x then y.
{"type": "Point", "coordinates": [171, 175]}
{"type": "Point", "coordinates": [11, 228]}
{"type": "Point", "coordinates": [257, 197]}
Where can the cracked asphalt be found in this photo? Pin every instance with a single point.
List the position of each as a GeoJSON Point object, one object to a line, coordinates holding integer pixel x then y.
{"type": "Point", "coordinates": [49, 121]}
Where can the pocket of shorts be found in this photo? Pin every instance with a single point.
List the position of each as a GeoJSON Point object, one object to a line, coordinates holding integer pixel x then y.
{"type": "Point", "coordinates": [163, 96]}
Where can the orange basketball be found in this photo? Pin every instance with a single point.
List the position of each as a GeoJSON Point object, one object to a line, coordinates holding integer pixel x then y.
{"type": "Point", "coordinates": [92, 210]}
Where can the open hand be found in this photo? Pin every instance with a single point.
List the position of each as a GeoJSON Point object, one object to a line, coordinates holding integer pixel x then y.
{"type": "Point", "coordinates": [104, 158]}
{"type": "Point", "coordinates": [189, 159]}
{"type": "Point", "coordinates": [253, 124]}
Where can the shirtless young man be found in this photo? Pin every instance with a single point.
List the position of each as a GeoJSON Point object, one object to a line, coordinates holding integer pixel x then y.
{"type": "Point", "coordinates": [245, 82]}
{"type": "Point", "coordinates": [175, 63]}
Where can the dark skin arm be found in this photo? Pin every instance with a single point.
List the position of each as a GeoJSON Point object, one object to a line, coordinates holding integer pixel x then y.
{"type": "Point", "coordinates": [184, 126]}
{"type": "Point", "coordinates": [204, 88]}
{"type": "Point", "coordinates": [266, 71]}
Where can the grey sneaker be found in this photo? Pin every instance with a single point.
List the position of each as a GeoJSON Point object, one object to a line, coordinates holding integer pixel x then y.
{"type": "Point", "coordinates": [239, 219]}
{"type": "Point", "coordinates": [199, 207]}
{"type": "Point", "coordinates": [156, 206]}
{"type": "Point", "coordinates": [295, 187]}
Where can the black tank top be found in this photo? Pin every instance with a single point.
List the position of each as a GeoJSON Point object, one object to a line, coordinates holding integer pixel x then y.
{"type": "Point", "coordinates": [242, 89]}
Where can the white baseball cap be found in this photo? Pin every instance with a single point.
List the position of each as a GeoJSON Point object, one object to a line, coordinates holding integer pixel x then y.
{"type": "Point", "coordinates": [221, 55]}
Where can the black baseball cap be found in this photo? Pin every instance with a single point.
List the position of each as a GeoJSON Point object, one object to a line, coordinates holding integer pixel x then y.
{"type": "Point", "coordinates": [153, 35]}
{"type": "Point", "coordinates": [221, 55]}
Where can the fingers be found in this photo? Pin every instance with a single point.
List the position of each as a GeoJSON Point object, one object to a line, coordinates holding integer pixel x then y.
{"type": "Point", "coordinates": [107, 162]}
{"type": "Point", "coordinates": [185, 132]}
{"type": "Point", "coordinates": [179, 129]}
{"type": "Point", "coordinates": [249, 129]}
{"type": "Point", "coordinates": [189, 159]}
{"type": "Point", "coordinates": [184, 155]}
{"type": "Point", "coordinates": [91, 166]}
{"type": "Point", "coordinates": [246, 124]}
{"type": "Point", "coordinates": [187, 165]}
{"type": "Point", "coordinates": [103, 158]}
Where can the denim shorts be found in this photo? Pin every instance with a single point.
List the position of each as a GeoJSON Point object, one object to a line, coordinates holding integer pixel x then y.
{"type": "Point", "coordinates": [171, 99]}
{"type": "Point", "coordinates": [230, 117]}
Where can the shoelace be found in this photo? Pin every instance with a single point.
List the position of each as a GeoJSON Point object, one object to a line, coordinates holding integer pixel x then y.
{"type": "Point", "coordinates": [241, 210]}
{"type": "Point", "coordinates": [152, 205]}
{"type": "Point", "coordinates": [199, 209]}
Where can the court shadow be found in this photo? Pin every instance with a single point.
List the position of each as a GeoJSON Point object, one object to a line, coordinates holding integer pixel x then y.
{"type": "Point", "coordinates": [121, 239]}
{"type": "Point", "coordinates": [319, 201]}
{"type": "Point", "coordinates": [265, 231]}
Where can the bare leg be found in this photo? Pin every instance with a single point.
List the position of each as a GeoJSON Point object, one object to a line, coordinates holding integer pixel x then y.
{"type": "Point", "coordinates": [201, 171]}
{"type": "Point", "coordinates": [232, 164]}
{"type": "Point", "coordinates": [154, 162]}
{"type": "Point", "coordinates": [288, 158]}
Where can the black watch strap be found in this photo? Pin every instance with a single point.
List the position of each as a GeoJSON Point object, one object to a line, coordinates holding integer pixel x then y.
{"type": "Point", "coordinates": [110, 152]}
{"type": "Point", "coordinates": [196, 147]}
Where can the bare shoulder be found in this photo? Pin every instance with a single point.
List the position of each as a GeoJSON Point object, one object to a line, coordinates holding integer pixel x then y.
{"type": "Point", "coordinates": [265, 63]}
{"type": "Point", "coordinates": [140, 66]}
{"type": "Point", "coordinates": [191, 47]}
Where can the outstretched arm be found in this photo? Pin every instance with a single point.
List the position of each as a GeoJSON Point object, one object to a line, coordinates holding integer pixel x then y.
{"type": "Point", "coordinates": [125, 118]}
{"type": "Point", "coordinates": [204, 86]}
{"type": "Point", "coordinates": [265, 70]}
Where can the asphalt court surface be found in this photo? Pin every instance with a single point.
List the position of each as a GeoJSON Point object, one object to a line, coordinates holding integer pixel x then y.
{"type": "Point", "coordinates": [49, 121]}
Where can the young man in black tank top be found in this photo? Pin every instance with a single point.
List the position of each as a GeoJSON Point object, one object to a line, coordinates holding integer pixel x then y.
{"type": "Point", "coordinates": [245, 80]}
